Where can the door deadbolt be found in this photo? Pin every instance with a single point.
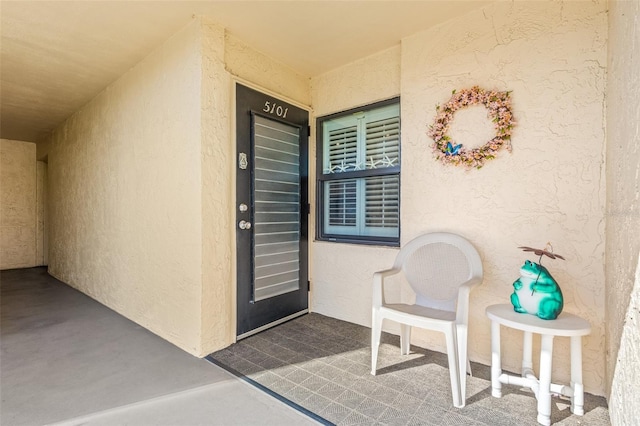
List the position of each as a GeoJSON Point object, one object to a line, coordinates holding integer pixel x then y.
{"type": "Point", "coordinates": [243, 207]}
{"type": "Point", "coordinates": [243, 224]}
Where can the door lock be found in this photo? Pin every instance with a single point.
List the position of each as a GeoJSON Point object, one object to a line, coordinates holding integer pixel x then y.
{"type": "Point", "coordinates": [243, 224]}
{"type": "Point", "coordinates": [243, 207]}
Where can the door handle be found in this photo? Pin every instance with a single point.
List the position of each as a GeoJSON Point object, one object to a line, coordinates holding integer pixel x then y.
{"type": "Point", "coordinates": [243, 224]}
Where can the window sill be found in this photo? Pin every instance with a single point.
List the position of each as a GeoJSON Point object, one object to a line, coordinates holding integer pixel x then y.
{"type": "Point", "coordinates": [358, 242]}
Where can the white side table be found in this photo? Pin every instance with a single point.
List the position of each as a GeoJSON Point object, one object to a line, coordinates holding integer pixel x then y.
{"type": "Point", "coordinates": [567, 325]}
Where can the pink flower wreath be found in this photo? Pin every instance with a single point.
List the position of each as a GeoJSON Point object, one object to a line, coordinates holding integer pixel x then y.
{"type": "Point", "coordinates": [499, 111]}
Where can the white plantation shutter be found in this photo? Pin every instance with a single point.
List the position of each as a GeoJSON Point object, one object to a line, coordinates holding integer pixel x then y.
{"type": "Point", "coordinates": [383, 143]}
{"type": "Point", "coordinates": [342, 202]}
{"type": "Point", "coordinates": [360, 179]}
{"type": "Point", "coordinates": [343, 147]}
{"type": "Point", "coordinates": [382, 205]}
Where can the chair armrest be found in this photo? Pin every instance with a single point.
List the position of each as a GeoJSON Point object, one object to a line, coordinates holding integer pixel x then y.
{"type": "Point", "coordinates": [462, 309]}
{"type": "Point", "coordinates": [378, 281]}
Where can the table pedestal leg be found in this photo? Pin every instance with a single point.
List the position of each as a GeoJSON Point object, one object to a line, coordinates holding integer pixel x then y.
{"type": "Point", "coordinates": [527, 351]}
{"type": "Point", "coordinates": [544, 393]}
{"type": "Point", "coordinates": [577, 400]}
{"type": "Point", "coordinates": [496, 366]}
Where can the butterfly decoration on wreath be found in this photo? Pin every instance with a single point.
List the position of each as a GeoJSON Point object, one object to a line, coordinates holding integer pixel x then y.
{"type": "Point", "coordinates": [498, 106]}
{"type": "Point", "coordinates": [452, 150]}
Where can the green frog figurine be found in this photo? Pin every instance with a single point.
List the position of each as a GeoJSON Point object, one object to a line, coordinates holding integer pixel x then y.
{"type": "Point", "coordinates": [536, 292]}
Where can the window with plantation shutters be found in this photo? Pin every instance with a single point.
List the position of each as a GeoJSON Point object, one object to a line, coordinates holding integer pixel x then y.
{"type": "Point", "coordinates": [359, 175]}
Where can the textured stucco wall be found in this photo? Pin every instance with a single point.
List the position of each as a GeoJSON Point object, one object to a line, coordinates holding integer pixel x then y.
{"type": "Point", "coordinates": [141, 178]}
{"type": "Point", "coordinates": [341, 273]}
{"type": "Point", "coordinates": [18, 186]}
{"type": "Point", "coordinates": [41, 213]}
{"type": "Point", "coordinates": [623, 213]}
{"type": "Point", "coordinates": [248, 64]}
{"type": "Point", "coordinates": [218, 327]}
{"type": "Point", "coordinates": [42, 148]}
{"type": "Point", "coordinates": [125, 199]}
{"type": "Point", "coordinates": [552, 55]}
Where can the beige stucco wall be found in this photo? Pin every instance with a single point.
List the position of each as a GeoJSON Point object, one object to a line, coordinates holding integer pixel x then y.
{"type": "Point", "coordinates": [18, 187]}
{"type": "Point", "coordinates": [252, 66]}
{"type": "Point", "coordinates": [623, 213]}
{"type": "Point", "coordinates": [341, 273]}
{"type": "Point", "coordinates": [41, 214]}
{"type": "Point", "coordinates": [217, 323]}
{"type": "Point", "coordinates": [125, 199]}
{"type": "Point", "coordinates": [42, 149]}
{"type": "Point", "coordinates": [142, 187]}
{"type": "Point", "coordinates": [551, 188]}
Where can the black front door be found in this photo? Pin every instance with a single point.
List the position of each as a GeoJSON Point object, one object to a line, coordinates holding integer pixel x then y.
{"type": "Point", "coordinates": [271, 211]}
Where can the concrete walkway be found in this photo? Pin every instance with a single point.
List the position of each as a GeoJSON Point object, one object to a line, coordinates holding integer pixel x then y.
{"type": "Point", "coordinates": [66, 359]}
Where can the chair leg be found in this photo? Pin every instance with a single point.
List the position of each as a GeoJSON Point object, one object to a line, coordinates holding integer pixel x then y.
{"type": "Point", "coordinates": [454, 367]}
{"type": "Point", "coordinates": [405, 339]}
{"type": "Point", "coordinates": [463, 361]}
{"type": "Point", "coordinates": [376, 332]}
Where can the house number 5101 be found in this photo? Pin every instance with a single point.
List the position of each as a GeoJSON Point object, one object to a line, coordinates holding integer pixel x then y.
{"type": "Point", "coordinates": [273, 108]}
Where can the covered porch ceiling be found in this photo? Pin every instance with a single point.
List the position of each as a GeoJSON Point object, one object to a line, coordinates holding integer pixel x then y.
{"type": "Point", "coordinates": [58, 55]}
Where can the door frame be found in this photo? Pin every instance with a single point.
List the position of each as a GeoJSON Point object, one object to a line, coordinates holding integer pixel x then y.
{"type": "Point", "coordinates": [234, 81]}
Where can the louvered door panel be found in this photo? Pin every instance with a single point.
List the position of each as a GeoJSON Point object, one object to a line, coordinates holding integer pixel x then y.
{"type": "Point", "coordinates": [276, 209]}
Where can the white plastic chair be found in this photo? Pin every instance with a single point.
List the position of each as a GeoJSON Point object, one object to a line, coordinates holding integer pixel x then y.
{"type": "Point", "coordinates": [442, 269]}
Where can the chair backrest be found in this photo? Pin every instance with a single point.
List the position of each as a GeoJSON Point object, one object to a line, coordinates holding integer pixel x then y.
{"type": "Point", "coordinates": [436, 264]}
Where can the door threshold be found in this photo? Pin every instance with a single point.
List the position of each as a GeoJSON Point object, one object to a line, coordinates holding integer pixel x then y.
{"type": "Point", "coordinates": [271, 324]}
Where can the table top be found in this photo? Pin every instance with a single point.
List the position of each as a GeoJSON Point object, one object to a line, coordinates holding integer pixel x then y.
{"type": "Point", "coordinates": [565, 325]}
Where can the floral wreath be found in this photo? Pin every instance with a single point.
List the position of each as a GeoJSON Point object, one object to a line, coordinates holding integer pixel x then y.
{"type": "Point", "coordinates": [499, 106]}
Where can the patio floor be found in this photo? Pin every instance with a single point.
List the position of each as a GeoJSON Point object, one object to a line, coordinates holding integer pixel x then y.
{"type": "Point", "coordinates": [68, 360]}
{"type": "Point", "coordinates": [321, 365]}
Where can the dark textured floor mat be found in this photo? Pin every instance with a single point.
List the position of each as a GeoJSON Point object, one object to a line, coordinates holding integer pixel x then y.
{"type": "Point", "coordinates": [321, 365]}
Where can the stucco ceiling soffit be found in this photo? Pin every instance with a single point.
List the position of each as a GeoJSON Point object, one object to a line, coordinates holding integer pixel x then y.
{"type": "Point", "coordinates": [55, 56]}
